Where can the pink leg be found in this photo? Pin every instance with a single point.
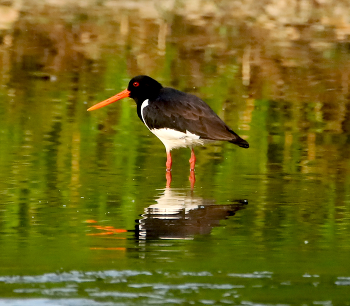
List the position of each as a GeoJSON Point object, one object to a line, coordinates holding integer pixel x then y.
{"type": "Point", "coordinates": [169, 161]}
{"type": "Point", "coordinates": [192, 160]}
{"type": "Point", "coordinates": [192, 178]}
{"type": "Point", "coordinates": [168, 179]}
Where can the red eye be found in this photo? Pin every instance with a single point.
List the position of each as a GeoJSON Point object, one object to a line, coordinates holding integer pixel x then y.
{"type": "Point", "coordinates": [136, 84]}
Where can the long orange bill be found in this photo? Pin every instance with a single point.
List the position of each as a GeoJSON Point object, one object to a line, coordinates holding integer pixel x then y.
{"type": "Point", "coordinates": [124, 94]}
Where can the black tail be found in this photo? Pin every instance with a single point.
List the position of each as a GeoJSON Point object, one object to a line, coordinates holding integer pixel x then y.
{"type": "Point", "coordinates": [239, 141]}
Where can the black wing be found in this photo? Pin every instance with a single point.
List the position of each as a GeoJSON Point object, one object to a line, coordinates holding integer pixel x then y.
{"type": "Point", "coordinates": [177, 110]}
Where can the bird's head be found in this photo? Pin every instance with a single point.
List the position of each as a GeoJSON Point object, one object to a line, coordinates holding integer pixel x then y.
{"type": "Point", "coordinates": [143, 87]}
{"type": "Point", "coordinates": [140, 88]}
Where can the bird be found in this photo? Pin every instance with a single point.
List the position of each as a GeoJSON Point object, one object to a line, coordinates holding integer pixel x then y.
{"type": "Point", "coordinates": [177, 118]}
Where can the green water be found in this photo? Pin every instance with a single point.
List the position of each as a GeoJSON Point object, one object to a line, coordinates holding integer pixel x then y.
{"type": "Point", "coordinates": [85, 215]}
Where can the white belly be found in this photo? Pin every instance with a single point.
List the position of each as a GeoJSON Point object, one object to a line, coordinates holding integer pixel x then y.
{"type": "Point", "coordinates": [174, 139]}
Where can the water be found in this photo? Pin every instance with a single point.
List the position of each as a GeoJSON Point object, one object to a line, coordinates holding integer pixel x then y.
{"type": "Point", "coordinates": [85, 214]}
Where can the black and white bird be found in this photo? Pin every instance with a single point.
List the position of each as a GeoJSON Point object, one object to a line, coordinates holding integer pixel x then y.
{"type": "Point", "coordinates": [178, 119]}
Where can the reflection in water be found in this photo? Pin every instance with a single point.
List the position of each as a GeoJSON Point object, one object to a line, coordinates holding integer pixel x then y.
{"type": "Point", "coordinates": [51, 150]}
{"type": "Point", "coordinates": [178, 215]}
{"type": "Point", "coordinates": [169, 177]}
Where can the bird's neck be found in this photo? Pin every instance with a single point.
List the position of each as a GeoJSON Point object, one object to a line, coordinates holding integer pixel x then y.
{"type": "Point", "coordinates": [140, 104]}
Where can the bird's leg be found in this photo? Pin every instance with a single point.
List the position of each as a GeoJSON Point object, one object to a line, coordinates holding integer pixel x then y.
{"type": "Point", "coordinates": [168, 179]}
{"type": "Point", "coordinates": [192, 178]}
{"type": "Point", "coordinates": [168, 164]}
{"type": "Point", "coordinates": [169, 161]}
{"type": "Point", "coordinates": [192, 160]}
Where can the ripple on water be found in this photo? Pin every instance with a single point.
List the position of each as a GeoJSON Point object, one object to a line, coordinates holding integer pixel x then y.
{"type": "Point", "coordinates": [343, 281]}
{"type": "Point", "coordinates": [73, 276]}
{"type": "Point", "coordinates": [192, 286]}
{"type": "Point", "coordinates": [130, 287]}
{"type": "Point", "coordinates": [264, 274]}
{"type": "Point", "coordinates": [51, 302]}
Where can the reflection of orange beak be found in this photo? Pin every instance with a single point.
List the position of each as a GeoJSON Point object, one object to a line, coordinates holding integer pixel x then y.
{"type": "Point", "coordinates": [124, 94]}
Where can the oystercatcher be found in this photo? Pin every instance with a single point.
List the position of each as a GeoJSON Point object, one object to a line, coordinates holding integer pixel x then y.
{"type": "Point", "coordinates": [178, 119]}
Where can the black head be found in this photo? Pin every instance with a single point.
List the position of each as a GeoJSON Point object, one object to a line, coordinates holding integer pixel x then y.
{"type": "Point", "coordinates": [140, 89]}
{"type": "Point", "coordinates": [143, 87]}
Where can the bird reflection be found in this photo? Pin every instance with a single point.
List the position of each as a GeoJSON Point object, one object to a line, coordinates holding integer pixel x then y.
{"type": "Point", "coordinates": [179, 214]}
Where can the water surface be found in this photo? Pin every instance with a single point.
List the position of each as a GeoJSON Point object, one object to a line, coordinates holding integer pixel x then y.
{"type": "Point", "coordinates": [85, 214]}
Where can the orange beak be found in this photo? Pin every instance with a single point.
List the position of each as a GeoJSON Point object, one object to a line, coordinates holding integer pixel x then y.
{"type": "Point", "coordinates": [124, 94]}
